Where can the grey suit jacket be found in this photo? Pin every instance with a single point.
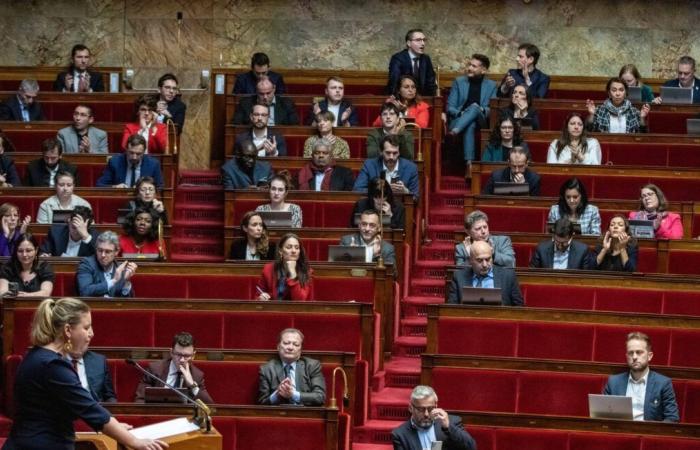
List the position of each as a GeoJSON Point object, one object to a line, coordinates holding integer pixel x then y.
{"type": "Point", "coordinates": [388, 252]}
{"type": "Point", "coordinates": [503, 253]}
{"type": "Point", "coordinates": [309, 381]}
{"type": "Point", "coordinates": [69, 140]}
{"type": "Point", "coordinates": [503, 278]}
{"type": "Point", "coordinates": [579, 256]}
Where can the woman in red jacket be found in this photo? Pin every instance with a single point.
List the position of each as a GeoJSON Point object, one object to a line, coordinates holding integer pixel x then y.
{"type": "Point", "coordinates": [289, 276]}
{"type": "Point", "coordinates": [156, 134]}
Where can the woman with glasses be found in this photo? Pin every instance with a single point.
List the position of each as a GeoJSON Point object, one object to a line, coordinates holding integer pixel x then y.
{"type": "Point", "coordinates": [30, 276]}
{"type": "Point", "coordinates": [155, 134]}
{"type": "Point", "coordinates": [279, 188]}
{"type": "Point", "coordinates": [145, 196]}
{"type": "Point", "coordinates": [652, 206]}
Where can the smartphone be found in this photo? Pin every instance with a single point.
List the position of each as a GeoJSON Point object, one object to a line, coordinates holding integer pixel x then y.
{"type": "Point", "coordinates": [12, 288]}
{"type": "Point", "coordinates": [395, 180]}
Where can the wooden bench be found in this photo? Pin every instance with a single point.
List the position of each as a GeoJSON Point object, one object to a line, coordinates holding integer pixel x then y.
{"type": "Point", "coordinates": [106, 107]}
{"type": "Point", "coordinates": [12, 76]}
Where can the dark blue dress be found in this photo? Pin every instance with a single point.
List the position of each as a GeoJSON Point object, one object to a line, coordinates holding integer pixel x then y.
{"type": "Point", "coordinates": [48, 398]}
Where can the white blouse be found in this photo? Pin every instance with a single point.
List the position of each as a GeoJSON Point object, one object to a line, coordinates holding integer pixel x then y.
{"type": "Point", "coordinates": [593, 154]}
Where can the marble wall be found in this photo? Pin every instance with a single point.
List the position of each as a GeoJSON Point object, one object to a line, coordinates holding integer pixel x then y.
{"type": "Point", "coordinates": [593, 37]}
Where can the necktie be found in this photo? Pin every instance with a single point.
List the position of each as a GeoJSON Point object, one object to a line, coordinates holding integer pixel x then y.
{"type": "Point", "coordinates": [75, 364]}
{"type": "Point", "coordinates": [82, 83]}
{"type": "Point", "coordinates": [415, 68]}
{"type": "Point", "coordinates": [287, 370]}
{"type": "Point", "coordinates": [479, 281]}
{"type": "Point", "coordinates": [25, 112]}
{"type": "Point", "coordinates": [133, 175]}
{"type": "Point", "coordinates": [178, 380]}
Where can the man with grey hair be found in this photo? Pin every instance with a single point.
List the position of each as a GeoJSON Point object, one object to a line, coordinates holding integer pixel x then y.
{"type": "Point", "coordinates": [476, 224]}
{"type": "Point", "coordinates": [322, 173]}
{"type": "Point", "coordinates": [23, 106]}
{"type": "Point", "coordinates": [686, 79]}
{"type": "Point", "coordinates": [100, 276]}
{"type": "Point", "coordinates": [429, 424]}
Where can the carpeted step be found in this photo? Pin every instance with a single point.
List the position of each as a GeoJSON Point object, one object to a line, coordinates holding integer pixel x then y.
{"type": "Point", "coordinates": [453, 185]}
{"type": "Point", "coordinates": [376, 432]}
{"type": "Point", "coordinates": [450, 202]}
{"type": "Point", "coordinates": [442, 233]}
{"type": "Point", "coordinates": [199, 177]}
{"type": "Point", "coordinates": [434, 271]}
{"type": "Point", "coordinates": [446, 217]}
{"type": "Point", "coordinates": [430, 287]}
{"type": "Point", "coordinates": [402, 372]}
{"type": "Point", "coordinates": [417, 306]}
{"type": "Point", "coordinates": [206, 231]}
{"type": "Point", "coordinates": [390, 404]}
{"type": "Point", "coordinates": [414, 326]}
{"type": "Point", "coordinates": [409, 346]}
{"type": "Point", "coordinates": [199, 194]}
{"type": "Point", "coordinates": [192, 250]}
{"type": "Point", "coordinates": [192, 212]}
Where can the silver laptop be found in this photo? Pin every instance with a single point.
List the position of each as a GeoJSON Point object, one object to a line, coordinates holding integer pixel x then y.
{"type": "Point", "coordinates": [140, 256]}
{"type": "Point", "coordinates": [610, 407]}
{"type": "Point", "coordinates": [676, 95]}
{"type": "Point", "coordinates": [511, 188]}
{"type": "Point", "coordinates": [481, 296]}
{"type": "Point", "coordinates": [692, 126]}
{"type": "Point", "coordinates": [276, 219]}
{"type": "Point", "coordinates": [634, 94]}
{"type": "Point", "coordinates": [642, 228]}
{"type": "Point", "coordinates": [346, 253]}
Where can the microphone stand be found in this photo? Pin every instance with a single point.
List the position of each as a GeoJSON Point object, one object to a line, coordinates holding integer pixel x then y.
{"type": "Point", "coordinates": [204, 421]}
{"type": "Point", "coordinates": [380, 260]}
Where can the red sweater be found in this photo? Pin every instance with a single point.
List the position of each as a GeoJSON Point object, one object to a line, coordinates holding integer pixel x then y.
{"type": "Point", "coordinates": [293, 291]}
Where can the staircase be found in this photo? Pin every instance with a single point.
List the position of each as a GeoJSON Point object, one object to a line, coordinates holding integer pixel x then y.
{"type": "Point", "coordinates": [388, 402]}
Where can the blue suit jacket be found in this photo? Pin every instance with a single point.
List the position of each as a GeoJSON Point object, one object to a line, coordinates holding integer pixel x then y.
{"type": "Point", "coordinates": [503, 278]}
{"type": "Point", "coordinates": [696, 88]}
{"type": "Point", "coordinates": [659, 400]}
{"type": "Point", "coordinates": [234, 178]}
{"type": "Point", "coordinates": [459, 93]}
{"type": "Point", "coordinates": [56, 241]}
{"type": "Point", "coordinates": [115, 172]}
{"type": "Point", "coordinates": [90, 281]}
{"type": "Point", "coordinates": [344, 105]}
{"type": "Point", "coordinates": [405, 436]}
{"type": "Point", "coordinates": [372, 168]}
{"type": "Point", "coordinates": [538, 87]}
{"type": "Point", "coordinates": [401, 64]}
{"type": "Point", "coordinates": [99, 378]}
{"type": "Point", "coordinates": [245, 83]}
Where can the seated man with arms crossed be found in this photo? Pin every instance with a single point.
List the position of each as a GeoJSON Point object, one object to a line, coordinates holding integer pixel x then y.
{"type": "Point", "coordinates": [76, 238]}
{"type": "Point", "coordinates": [100, 276]}
{"type": "Point", "coordinates": [291, 378]}
{"type": "Point", "coordinates": [370, 238]}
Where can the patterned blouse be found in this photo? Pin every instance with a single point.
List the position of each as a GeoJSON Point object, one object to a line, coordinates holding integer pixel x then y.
{"type": "Point", "coordinates": [295, 209]}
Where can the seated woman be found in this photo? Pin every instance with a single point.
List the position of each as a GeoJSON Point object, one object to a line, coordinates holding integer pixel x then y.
{"type": "Point", "coordinates": [390, 207]}
{"type": "Point", "coordinates": [324, 125]}
{"type": "Point", "coordinates": [573, 203]}
{"type": "Point", "coordinates": [409, 103]}
{"type": "Point", "coordinates": [140, 233]}
{"type": "Point", "coordinates": [63, 200]}
{"type": "Point", "coordinates": [279, 188]}
{"type": "Point", "coordinates": [616, 114]}
{"type": "Point", "coordinates": [33, 278]}
{"type": "Point", "coordinates": [574, 146]}
{"type": "Point", "coordinates": [289, 276]}
{"type": "Point", "coordinates": [504, 136]}
{"type": "Point", "coordinates": [8, 171]}
{"type": "Point", "coordinates": [630, 75]}
{"type": "Point", "coordinates": [145, 197]}
{"type": "Point", "coordinates": [156, 134]}
{"type": "Point", "coordinates": [521, 108]}
{"type": "Point", "coordinates": [618, 249]}
{"type": "Point", "coordinates": [11, 228]}
{"type": "Point", "coordinates": [652, 206]}
{"type": "Point", "coordinates": [255, 245]}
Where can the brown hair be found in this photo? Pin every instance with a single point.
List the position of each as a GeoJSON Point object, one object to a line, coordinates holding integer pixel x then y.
{"type": "Point", "coordinates": [638, 335]}
{"type": "Point", "coordinates": [262, 245]}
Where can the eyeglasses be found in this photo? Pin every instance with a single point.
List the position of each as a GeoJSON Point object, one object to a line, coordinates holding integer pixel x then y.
{"type": "Point", "coordinates": [423, 409]}
{"type": "Point", "coordinates": [147, 190]}
{"type": "Point", "coordinates": [419, 39]}
{"type": "Point", "coordinates": [183, 355]}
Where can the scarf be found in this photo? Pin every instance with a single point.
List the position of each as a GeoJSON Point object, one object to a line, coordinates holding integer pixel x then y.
{"type": "Point", "coordinates": [308, 172]}
{"type": "Point", "coordinates": [601, 119]}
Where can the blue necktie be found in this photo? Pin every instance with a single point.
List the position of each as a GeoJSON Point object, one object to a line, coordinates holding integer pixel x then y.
{"type": "Point", "coordinates": [25, 112]}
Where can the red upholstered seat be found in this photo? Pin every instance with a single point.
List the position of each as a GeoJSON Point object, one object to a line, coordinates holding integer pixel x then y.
{"type": "Point", "coordinates": [475, 390]}
{"type": "Point", "coordinates": [608, 337]}
{"type": "Point", "coordinates": [603, 441]}
{"type": "Point", "coordinates": [477, 337]}
{"type": "Point", "coordinates": [563, 340]}
{"type": "Point", "coordinates": [557, 393]}
{"type": "Point", "coordinates": [635, 300]}
{"type": "Point", "coordinates": [684, 262]}
{"type": "Point", "coordinates": [665, 443]}
{"type": "Point", "coordinates": [512, 438]}
{"type": "Point", "coordinates": [558, 296]}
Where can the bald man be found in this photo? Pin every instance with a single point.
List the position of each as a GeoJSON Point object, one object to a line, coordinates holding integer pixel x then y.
{"type": "Point", "coordinates": [482, 273]}
{"type": "Point", "coordinates": [282, 111]}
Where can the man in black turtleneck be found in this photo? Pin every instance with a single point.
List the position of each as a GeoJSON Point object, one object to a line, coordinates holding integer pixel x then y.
{"type": "Point", "coordinates": [468, 103]}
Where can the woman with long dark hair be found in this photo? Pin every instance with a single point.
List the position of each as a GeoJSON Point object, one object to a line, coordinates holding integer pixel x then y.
{"type": "Point", "coordinates": [255, 244]}
{"type": "Point", "coordinates": [617, 250]}
{"type": "Point", "coordinates": [573, 203]}
{"type": "Point", "coordinates": [521, 108]}
{"type": "Point", "coordinates": [33, 277]}
{"type": "Point", "coordinates": [504, 136]}
{"type": "Point", "coordinates": [409, 103]}
{"type": "Point", "coordinates": [289, 276]}
{"type": "Point", "coordinates": [140, 233]}
{"type": "Point", "coordinates": [574, 146]}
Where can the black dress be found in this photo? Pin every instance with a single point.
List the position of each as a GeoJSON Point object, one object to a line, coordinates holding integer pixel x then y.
{"type": "Point", "coordinates": [43, 273]}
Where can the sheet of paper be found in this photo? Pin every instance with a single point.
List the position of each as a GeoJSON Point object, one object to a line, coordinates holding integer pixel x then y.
{"type": "Point", "coordinates": [164, 429]}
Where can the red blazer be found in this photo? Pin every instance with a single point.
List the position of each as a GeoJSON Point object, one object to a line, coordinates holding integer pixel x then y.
{"type": "Point", "coordinates": [128, 245]}
{"type": "Point", "coordinates": [420, 112]}
{"type": "Point", "coordinates": [156, 144]}
{"type": "Point", "coordinates": [294, 291]}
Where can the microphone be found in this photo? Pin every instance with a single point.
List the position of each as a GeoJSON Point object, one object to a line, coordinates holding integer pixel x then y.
{"type": "Point", "coordinates": [199, 405]}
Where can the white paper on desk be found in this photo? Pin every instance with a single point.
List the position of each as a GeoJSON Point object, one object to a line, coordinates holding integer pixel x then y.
{"type": "Point", "coordinates": [436, 445]}
{"type": "Point", "coordinates": [164, 429]}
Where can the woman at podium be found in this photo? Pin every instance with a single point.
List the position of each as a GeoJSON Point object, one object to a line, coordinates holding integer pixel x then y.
{"type": "Point", "coordinates": [48, 393]}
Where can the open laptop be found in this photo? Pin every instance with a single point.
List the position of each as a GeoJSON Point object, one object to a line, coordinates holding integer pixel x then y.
{"type": "Point", "coordinates": [276, 219]}
{"type": "Point", "coordinates": [634, 94]}
{"type": "Point", "coordinates": [346, 253]}
{"type": "Point", "coordinates": [692, 126]}
{"type": "Point", "coordinates": [511, 188]}
{"type": "Point", "coordinates": [163, 395]}
{"type": "Point", "coordinates": [141, 256]}
{"type": "Point", "coordinates": [676, 95]}
{"type": "Point", "coordinates": [642, 228]}
{"type": "Point", "coordinates": [610, 407]}
{"type": "Point", "coordinates": [481, 296]}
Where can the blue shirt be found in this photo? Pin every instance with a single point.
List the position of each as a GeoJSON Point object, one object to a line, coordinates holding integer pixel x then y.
{"type": "Point", "coordinates": [561, 259]}
{"type": "Point", "coordinates": [425, 435]}
{"type": "Point", "coordinates": [486, 281]}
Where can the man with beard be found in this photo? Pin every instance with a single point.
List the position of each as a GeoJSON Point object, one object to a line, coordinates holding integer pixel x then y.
{"type": "Point", "coordinates": [244, 170]}
{"type": "Point", "coordinates": [42, 172]}
{"type": "Point", "coordinates": [399, 172]}
{"type": "Point", "coordinates": [413, 61]}
{"type": "Point", "coordinates": [82, 137]}
{"type": "Point", "coordinates": [322, 173]}
{"type": "Point", "coordinates": [343, 111]}
{"type": "Point", "coordinates": [369, 237]}
{"type": "Point", "coordinates": [266, 141]}
{"type": "Point", "coordinates": [100, 276]}
{"type": "Point", "coordinates": [78, 78]}
{"type": "Point", "coordinates": [169, 104]}
{"type": "Point", "coordinates": [282, 110]}
{"type": "Point", "coordinates": [392, 124]}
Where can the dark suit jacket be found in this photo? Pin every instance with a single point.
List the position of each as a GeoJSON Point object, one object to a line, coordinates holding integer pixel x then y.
{"type": "Point", "coordinates": [160, 369]}
{"type": "Point", "coordinates": [659, 400]}
{"type": "Point", "coordinates": [9, 110]}
{"type": "Point", "coordinates": [56, 241]}
{"type": "Point", "coordinates": [245, 83]}
{"type": "Point", "coordinates": [341, 179]}
{"type": "Point", "coordinates": [309, 381]}
{"type": "Point", "coordinates": [405, 436]}
{"type": "Point", "coordinates": [401, 64]}
{"type": "Point", "coordinates": [115, 172]}
{"type": "Point", "coordinates": [234, 178]}
{"type": "Point", "coordinates": [532, 179]}
{"type": "Point", "coordinates": [90, 281]}
{"type": "Point", "coordinates": [503, 277]}
{"type": "Point", "coordinates": [38, 175]}
{"type": "Point", "coordinates": [538, 88]}
{"type": "Point", "coordinates": [248, 136]}
{"type": "Point", "coordinates": [177, 109]}
{"type": "Point", "coordinates": [239, 248]}
{"type": "Point", "coordinates": [579, 256]}
{"type": "Point", "coordinates": [98, 377]}
{"type": "Point", "coordinates": [344, 105]}
{"type": "Point", "coordinates": [388, 251]}
{"type": "Point", "coordinates": [372, 168]}
{"type": "Point", "coordinates": [96, 83]}
{"type": "Point", "coordinates": [285, 112]}
{"type": "Point", "coordinates": [7, 167]}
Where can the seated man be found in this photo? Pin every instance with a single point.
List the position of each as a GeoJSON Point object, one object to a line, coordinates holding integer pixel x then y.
{"type": "Point", "coordinates": [369, 237]}
{"type": "Point", "coordinates": [343, 111]}
{"type": "Point", "coordinates": [413, 61]}
{"type": "Point", "coordinates": [516, 172]}
{"type": "Point", "coordinates": [477, 226]}
{"type": "Point", "coordinates": [468, 103]}
{"type": "Point", "coordinates": [527, 74]}
{"type": "Point", "coordinates": [265, 139]}
{"type": "Point", "coordinates": [282, 110]}
{"type": "Point", "coordinates": [23, 107]}
{"type": "Point", "coordinates": [94, 374]}
{"type": "Point", "coordinates": [391, 125]}
{"type": "Point", "coordinates": [42, 172]}
{"type": "Point", "coordinates": [429, 424]}
{"type": "Point", "coordinates": [483, 274]}
{"type": "Point", "coordinates": [100, 276]}
{"type": "Point", "coordinates": [76, 238]}
{"type": "Point", "coordinates": [260, 67]}
{"type": "Point", "coordinates": [400, 173]}
{"type": "Point", "coordinates": [290, 378]}
{"type": "Point", "coordinates": [322, 173]}
{"type": "Point", "coordinates": [686, 79]}
{"type": "Point", "coordinates": [244, 170]}
{"type": "Point", "coordinates": [125, 169]}
{"type": "Point", "coordinates": [562, 251]}
{"type": "Point", "coordinates": [82, 137]}
{"type": "Point", "coordinates": [170, 106]}
{"type": "Point", "coordinates": [177, 370]}
{"type": "Point", "coordinates": [79, 77]}
{"type": "Point", "coordinates": [652, 394]}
